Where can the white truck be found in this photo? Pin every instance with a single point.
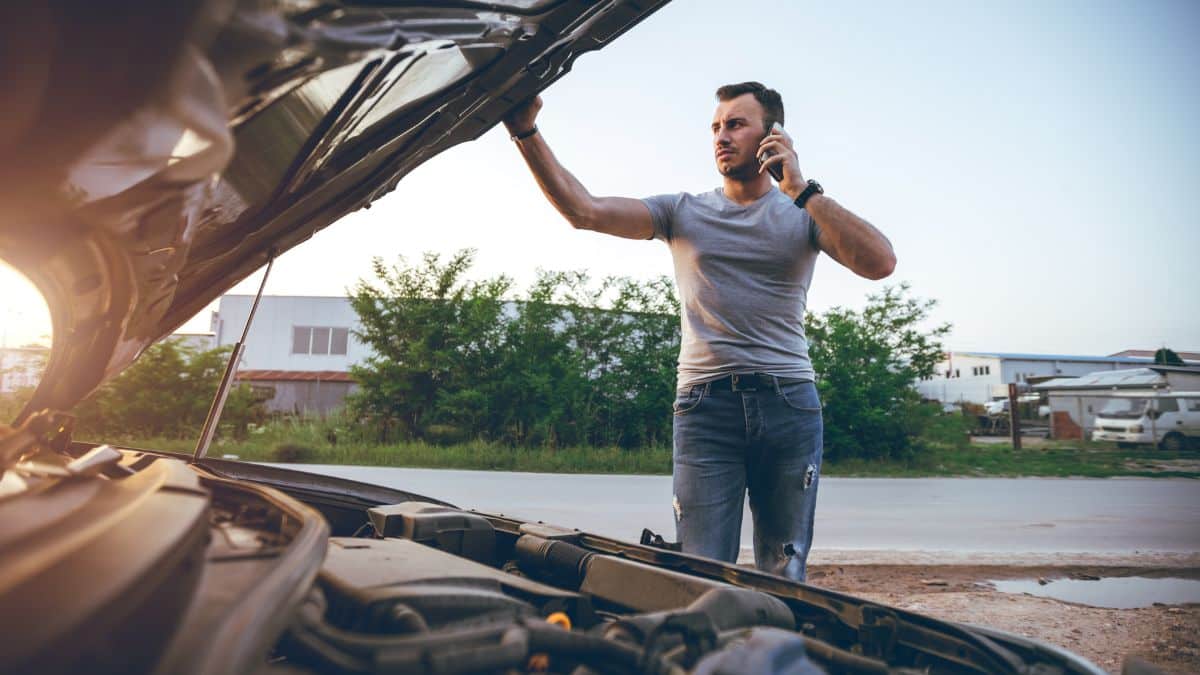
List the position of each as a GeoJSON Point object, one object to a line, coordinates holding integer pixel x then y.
{"type": "Point", "coordinates": [1170, 420]}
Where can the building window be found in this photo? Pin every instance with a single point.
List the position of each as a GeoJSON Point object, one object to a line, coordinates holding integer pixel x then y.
{"type": "Point", "coordinates": [338, 340]}
{"type": "Point", "coordinates": [956, 373]}
{"type": "Point", "coordinates": [301, 338]}
{"type": "Point", "coordinates": [987, 370]}
{"type": "Point", "coordinates": [319, 340]}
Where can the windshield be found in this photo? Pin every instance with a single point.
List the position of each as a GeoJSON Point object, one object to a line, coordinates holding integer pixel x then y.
{"type": "Point", "coordinates": [1128, 408]}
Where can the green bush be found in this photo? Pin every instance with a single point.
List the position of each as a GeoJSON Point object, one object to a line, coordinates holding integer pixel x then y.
{"type": "Point", "coordinates": [577, 363]}
{"type": "Point", "coordinates": [166, 393]}
{"type": "Point", "coordinates": [570, 363]}
{"type": "Point", "coordinates": [866, 363]}
{"type": "Point", "coordinates": [290, 453]}
{"type": "Point", "coordinates": [947, 431]}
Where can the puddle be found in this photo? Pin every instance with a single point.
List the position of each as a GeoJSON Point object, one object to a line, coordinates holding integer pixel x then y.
{"type": "Point", "coordinates": [1112, 592]}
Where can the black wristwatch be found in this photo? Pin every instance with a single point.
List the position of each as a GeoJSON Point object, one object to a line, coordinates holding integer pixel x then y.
{"type": "Point", "coordinates": [814, 188]}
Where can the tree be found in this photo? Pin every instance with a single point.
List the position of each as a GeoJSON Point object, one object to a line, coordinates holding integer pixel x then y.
{"type": "Point", "coordinates": [1167, 357]}
{"type": "Point", "coordinates": [866, 363]}
{"type": "Point", "coordinates": [571, 363]}
{"type": "Point", "coordinates": [166, 392]}
{"type": "Point", "coordinates": [435, 338]}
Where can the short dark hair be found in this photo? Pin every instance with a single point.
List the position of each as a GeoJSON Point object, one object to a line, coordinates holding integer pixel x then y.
{"type": "Point", "coordinates": [769, 99]}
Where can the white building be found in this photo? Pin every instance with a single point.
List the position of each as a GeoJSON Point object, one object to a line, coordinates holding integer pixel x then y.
{"type": "Point", "coordinates": [21, 367]}
{"type": "Point", "coordinates": [978, 377]}
{"type": "Point", "coordinates": [200, 342]}
{"type": "Point", "coordinates": [299, 349]}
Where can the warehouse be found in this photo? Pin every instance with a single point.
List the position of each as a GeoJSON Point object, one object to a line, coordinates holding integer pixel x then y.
{"type": "Point", "coordinates": [979, 377]}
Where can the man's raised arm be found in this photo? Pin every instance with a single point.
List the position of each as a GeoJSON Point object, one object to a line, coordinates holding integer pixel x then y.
{"type": "Point", "coordinates": [618, 216]}
{"type": "Point", "coordinates": [847, 238]}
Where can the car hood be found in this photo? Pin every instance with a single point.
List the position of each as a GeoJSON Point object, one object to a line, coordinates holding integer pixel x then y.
{"type": "Point", "coordinates": [155, 154]}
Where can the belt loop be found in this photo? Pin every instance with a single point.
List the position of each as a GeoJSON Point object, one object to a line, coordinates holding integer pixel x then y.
{"type": "Point", "coordinates": [707, 387]}
{"type": "Point", "coordinates": [775, 381]}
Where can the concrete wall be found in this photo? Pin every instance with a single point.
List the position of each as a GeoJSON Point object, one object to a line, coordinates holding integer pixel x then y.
{"type": "Point", "coordinates": [21, 367]}
{"type": "Point", "coordinates": [1073, 414]}
{"type": "Point", "coordinates": [269, 345]}
{"type": "Point", "coordinates": [959, 378]}
{"type": "Point", "coordinates": [962, 378]}
{"type": "Point", "coordinates": [1020, 370]}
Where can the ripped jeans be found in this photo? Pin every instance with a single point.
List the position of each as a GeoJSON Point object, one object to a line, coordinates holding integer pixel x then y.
{"type": "Point", "coordinates": [748, 433]}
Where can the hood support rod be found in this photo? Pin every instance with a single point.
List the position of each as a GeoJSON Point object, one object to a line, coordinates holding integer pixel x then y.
{"type": "Point", "coordinates": [218, 403]}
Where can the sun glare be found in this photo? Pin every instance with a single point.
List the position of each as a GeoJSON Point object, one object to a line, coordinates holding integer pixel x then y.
{"type": "Point", "coordinates": [24, 317]}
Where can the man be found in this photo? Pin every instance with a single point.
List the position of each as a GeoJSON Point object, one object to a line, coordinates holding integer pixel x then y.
{"type": "Point", "coordinates": [747, 414]}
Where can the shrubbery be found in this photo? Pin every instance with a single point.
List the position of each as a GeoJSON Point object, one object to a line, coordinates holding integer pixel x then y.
{"type": "Point", "coordinates": [866, 363]}
{"type": "Point", "coordinates": [166, 393]}
{"type": "Point", "coordinates": [575, 363]}
{"type": "Point", "coordinates": [571, 363]}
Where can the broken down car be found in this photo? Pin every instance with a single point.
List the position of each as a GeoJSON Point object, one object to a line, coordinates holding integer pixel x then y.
{"type": "Point", "coordinates": [155, 154]}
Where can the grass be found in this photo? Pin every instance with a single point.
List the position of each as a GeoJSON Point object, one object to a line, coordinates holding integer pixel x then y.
{"type": "Point", "coordinates": [480, 456]}
{"type": "Point", "coordinates": [308, 442]}
{"type": "Point", "coordinates": [1051, 460]}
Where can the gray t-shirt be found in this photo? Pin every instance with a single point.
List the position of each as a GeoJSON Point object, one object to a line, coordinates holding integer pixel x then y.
{"type": "Point", "coordinates": [743, 274]}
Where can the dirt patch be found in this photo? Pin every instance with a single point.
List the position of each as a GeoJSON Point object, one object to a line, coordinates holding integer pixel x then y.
{"type": "Point", "coordinates": [1167, 637]}
{"type": "Point", "coordinates": [1164, 465]}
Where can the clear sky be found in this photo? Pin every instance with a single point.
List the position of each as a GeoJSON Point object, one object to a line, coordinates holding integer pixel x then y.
{"type": "Point", "coordinates": [1035, 164]}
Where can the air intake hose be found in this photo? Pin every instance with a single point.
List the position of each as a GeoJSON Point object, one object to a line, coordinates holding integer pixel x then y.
{"type": "Point", "coordinates": [558, 562]}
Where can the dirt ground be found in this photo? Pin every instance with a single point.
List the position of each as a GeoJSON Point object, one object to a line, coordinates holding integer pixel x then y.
{"type": "Point", "coordinates": [1165, 636]}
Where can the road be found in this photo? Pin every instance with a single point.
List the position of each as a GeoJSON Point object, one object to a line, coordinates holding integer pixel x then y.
{"type": "Point", "coordinates": [1028, 519]}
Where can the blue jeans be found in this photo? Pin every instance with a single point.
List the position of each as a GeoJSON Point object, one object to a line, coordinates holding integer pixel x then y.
{"type": "Point", "coordinates": [766, 440]}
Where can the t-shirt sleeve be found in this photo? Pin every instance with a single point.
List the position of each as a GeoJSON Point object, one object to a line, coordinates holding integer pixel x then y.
{"type": "Point", "coordinates": [812, 230]}
{"type": "Point", "coordinates": [662, 212]}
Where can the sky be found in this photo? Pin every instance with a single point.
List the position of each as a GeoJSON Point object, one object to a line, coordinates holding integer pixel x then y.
{"type": "Point", "coordinates": [1034, 163]}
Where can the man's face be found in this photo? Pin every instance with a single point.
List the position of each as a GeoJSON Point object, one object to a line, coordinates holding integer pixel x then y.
{"type": "Point", "coordinates": [737, 129]}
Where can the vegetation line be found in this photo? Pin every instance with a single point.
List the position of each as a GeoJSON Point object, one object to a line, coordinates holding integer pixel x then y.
{"type": "Point", "coordinates": [983, 460]}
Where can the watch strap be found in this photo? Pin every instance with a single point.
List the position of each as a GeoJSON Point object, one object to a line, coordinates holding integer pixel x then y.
{"type": "Point", "coordinates": [813, 188]}
{"type": "Point", "coordinates": [524, 134]}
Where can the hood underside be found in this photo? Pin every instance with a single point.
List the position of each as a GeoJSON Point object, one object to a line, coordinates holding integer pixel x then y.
{"type": "Point", "coordinates": [156, 154]}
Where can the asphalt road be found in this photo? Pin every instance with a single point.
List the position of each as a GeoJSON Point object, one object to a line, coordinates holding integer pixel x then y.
{"type": "Point", "coordinates": [963, 516]}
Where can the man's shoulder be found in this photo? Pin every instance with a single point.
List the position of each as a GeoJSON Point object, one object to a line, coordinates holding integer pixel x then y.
{"type": "Point", "coordinates": [709, 199]}
{"type": "Point", "coordinates": [677, 203]}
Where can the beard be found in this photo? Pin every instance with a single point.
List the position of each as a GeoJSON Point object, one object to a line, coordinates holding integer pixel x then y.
{"type": "Point", "coordinates": [744, 170]}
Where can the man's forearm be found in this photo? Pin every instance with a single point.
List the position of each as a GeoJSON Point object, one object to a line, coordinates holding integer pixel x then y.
{"type": "Point", "coordinates": [560, 186]}
{"type": "Point", "coordinates": [851, 240]}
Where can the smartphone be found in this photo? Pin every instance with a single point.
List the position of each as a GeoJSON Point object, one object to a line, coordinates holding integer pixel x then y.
{"type": "Point", "coordinates": [776, 170]}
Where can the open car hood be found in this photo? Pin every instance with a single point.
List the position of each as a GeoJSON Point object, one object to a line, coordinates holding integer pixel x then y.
{"type": "Point", "coordinates": [153, 155]}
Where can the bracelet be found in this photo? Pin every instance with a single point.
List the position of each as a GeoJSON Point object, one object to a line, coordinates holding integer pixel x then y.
{"type": "Point", "coordinates": [524, 134]}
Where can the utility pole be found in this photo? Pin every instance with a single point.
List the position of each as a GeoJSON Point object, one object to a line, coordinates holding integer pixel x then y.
{"type": "Point", "coordinates": [1014, 418]}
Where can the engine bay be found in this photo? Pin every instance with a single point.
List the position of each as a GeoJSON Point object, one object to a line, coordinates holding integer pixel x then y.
{"type": "Point", "coordinates": [216, 567]}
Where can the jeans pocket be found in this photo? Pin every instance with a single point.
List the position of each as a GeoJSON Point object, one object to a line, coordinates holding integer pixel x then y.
{"type": "Point", "coordinates": [801, 396]}
{"type": "Point", "coordinates": [687, 401]}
